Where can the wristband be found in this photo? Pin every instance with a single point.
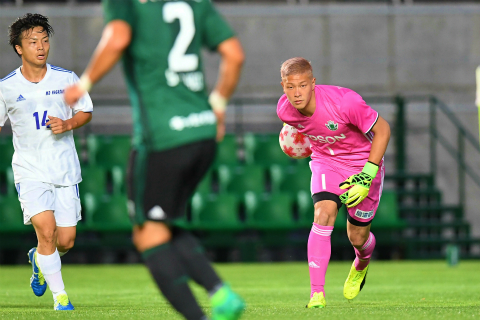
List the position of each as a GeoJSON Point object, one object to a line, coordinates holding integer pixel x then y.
{"type": "Point", "coordinates": [371, 169]}
{"type": "Point", "coordinates": [217, 101]}
{"type": "Point", "coordinates": [85, 83]}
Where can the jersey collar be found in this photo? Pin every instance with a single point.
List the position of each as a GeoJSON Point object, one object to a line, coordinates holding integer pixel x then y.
{"type": "Point", "coordinates": [25, 81]}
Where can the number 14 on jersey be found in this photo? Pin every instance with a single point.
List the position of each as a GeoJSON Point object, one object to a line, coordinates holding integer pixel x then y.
{"type": "Point", "coordinates": [37, 119]}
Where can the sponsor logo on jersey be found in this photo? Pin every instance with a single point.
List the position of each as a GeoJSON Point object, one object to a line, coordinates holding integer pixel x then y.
{"type": "Point", "coordinates": [363, 214]}
{"type": "Point", "coordinates": [313, 265]}
{"type": "Point", "coordinates": [20, 98]}
{"type": "Point", "coordinates": [193, 120]}
{"type": "Point", "coordinates": [300, 126]}
{"type": "Point", "coordinates": [52, 92]}
{"type": "Point", "coordinates": [326, 139]}
{"type": "Point", "coordinates": [331, 125]}
{"type": "Point", "coordinates": [156, 213]}
{"type": "Point", "coordinates": [192, 80]}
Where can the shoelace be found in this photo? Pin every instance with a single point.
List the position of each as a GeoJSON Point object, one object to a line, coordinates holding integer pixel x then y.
{"type": "Point", "coordinates": [316, 297]}
{"type": "Point", "coordinates": [62, 299]}
{"type": "Point", "coordinates": [356, 278]}
{"type": "Point", "coordinates": [41, 278]}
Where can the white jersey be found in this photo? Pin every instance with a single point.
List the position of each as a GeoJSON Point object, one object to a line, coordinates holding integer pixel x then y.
{"type": "Point", "coordinates": [39, 154]}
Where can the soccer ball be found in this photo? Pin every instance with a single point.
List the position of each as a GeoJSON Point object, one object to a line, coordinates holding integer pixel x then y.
{"type": "Point", "coordinates": [293, 143]}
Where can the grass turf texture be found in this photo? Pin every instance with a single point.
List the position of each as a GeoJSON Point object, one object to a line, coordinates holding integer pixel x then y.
{"type": "Point", "coordinates": [394, 290]}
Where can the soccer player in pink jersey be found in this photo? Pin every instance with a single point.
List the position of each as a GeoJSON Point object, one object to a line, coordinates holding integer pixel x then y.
{"type": "Point", "coordinates": [348, 140]}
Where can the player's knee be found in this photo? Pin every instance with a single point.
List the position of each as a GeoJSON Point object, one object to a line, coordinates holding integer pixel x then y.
{"type": "Point", "coordinates": [46, 235]}
{"type": "Point", "coordinates": [150, 235]}
{"type": "Point", "coordinates": [65, 245]}
{"type": "Point", "coordinates": [323, 214]}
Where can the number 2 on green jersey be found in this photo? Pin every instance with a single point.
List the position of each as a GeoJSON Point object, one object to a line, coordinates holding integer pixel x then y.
{"type": "Point", "coordinates": [178, 59]}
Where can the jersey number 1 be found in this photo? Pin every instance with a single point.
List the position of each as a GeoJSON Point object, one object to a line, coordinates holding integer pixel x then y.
{"type": "Point", "coordinates": [178, 59]}
{"type": "Point", "coordinates": [37, 119]}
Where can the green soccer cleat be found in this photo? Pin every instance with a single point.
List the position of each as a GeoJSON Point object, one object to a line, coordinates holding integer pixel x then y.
{"type": "Point", "coordinates": [226, 304]}
{"type": "Point", "coordinates": [317, 301]}
{"type": "Point", "coordinates": [355, 282]}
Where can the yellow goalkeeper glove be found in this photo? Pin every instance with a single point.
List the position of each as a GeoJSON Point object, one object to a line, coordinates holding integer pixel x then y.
{"type": "Point", "coordinates": [360, 185]}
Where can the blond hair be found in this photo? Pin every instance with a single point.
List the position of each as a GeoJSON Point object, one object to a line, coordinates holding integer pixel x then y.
{"type": "Point", "coordinates": [297, 65]}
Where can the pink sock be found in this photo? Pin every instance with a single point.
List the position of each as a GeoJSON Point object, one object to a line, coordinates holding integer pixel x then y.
{"type": "Point", "coordinates": [363, 255]}
{"type": "Point", "coordinates": [319, 250]}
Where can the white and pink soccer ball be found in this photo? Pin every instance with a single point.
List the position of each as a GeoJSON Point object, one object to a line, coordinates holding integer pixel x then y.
{"type": "Point", "coordinates": [293, 143]}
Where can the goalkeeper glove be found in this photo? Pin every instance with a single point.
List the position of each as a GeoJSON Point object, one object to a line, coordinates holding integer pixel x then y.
{"type": "Point", "coordinates": [360, 185]}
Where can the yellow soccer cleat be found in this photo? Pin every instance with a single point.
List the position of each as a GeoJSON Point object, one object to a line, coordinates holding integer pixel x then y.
{"type": "Point", "coordinates": [355, 282]}
{"type": "Point", "coordinates": [317, 301]}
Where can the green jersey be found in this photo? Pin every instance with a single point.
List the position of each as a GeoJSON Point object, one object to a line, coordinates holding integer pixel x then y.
{"type": "Point", "coordinates": [163, 68]}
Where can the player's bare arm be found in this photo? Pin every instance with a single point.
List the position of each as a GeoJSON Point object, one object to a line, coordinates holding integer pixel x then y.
{"type": "Point", "coordinates": [58, 125]}
{"type": "Point", "coordinates": [381, 131]}
{"type": "Point", "coordinates": [115, 39]}
{"type": "Point", "coordinates": [232, 58]}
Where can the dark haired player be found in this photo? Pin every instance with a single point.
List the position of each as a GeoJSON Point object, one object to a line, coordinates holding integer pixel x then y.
{"type": "Point", "coordinates": [348, 140]}
{"type": "Point", "coordinates": [174, 131]}
{"type": "Point", "coordinates": [45, 163]}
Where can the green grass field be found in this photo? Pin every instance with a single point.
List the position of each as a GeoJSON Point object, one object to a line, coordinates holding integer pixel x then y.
{"type": "Point", "coordinates": [394, 290]}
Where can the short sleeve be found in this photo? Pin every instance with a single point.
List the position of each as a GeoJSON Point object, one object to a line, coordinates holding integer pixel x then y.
{"type": "Point", "coordinates": [3, 110]}
{"type": "Point", "coordinates": [118, 10]}
{"type": "Point", "coordinates": [357, 112]}
{"type": "Point", "coordinates": [215, 28]}
{"type": "Point", "coordinates": [281, 107]}
{"type": "Point", "coordinates": [85, 103]}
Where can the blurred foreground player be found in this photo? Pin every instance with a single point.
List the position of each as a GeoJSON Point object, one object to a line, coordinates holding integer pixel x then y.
{"type": "Point", "coordinates": [348, 140]}
{"type": "Point", "coordinates": [174, 131]}
{"type": "Point", "coordinates": [45, 164]}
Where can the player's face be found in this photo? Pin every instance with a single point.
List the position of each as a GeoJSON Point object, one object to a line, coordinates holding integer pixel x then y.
{"type": "Point", "coordinates": [35, 46]}
{"type": "Point", "coordinates": [299, 89]}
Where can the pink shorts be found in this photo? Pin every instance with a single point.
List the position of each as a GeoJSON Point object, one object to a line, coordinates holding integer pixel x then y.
{"type": "Point", "coordinates": [326, 178]}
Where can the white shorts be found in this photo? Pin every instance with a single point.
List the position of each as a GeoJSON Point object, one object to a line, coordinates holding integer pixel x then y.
{"type": "Point", "coordinates": [36, 197]}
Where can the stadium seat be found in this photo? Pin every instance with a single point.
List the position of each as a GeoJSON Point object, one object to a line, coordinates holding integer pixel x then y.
{"type": "Point", "coordinates": [215, 212]}
{"type": "Point", "coordinates": [305, 209]}
{"type": "Point", "coordinates": [341, 221]}
{"type": "Point", "coordinates": [295, 178]}
{"type": "Point", "coordinates": [109, 151]}
{"type": "Point", "coordinates": [6, 154]}
{"type": "Point", "coordinates": [109, 214]}
{"type": "Point", "coordinates": [118, 180]}
{"type": "Point", "coordinates": [264, 150]}
{"type": "Point", "coordinates": [269, 212]}
{"type": "Point", "coordinates": [205, 186]}
{"type": "Point", "coordinates": [79, 147]}
{"type": "Point", "coordinates": [239, 180]}
{"type": "Point", "coordinates": [387, 215]}
{"type": "Point", "coordinates": [94, 181]}
{"type": "Point", "coordinates": [10, 183]}
{"type": "Point", "coordinates": [227, 151]}
{"type": "Point", "coordinates": [11, 216]}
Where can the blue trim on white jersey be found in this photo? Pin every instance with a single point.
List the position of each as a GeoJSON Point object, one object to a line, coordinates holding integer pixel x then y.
{"type": "Point", "coordinates": [59, 69]}
{"type": "Point", "coordinates": [11, 74]}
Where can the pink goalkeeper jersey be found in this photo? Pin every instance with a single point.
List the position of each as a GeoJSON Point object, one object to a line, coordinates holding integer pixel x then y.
{"type": "Point", "coordinates": [339, 129]}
